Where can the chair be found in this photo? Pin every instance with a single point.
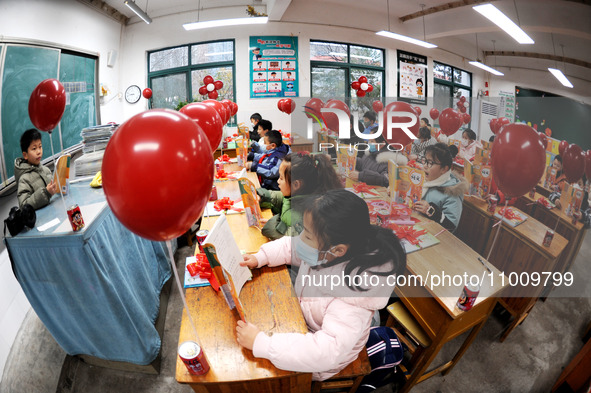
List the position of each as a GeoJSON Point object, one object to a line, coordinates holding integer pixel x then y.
{"type": "Point", "coordinates": [349, 379]}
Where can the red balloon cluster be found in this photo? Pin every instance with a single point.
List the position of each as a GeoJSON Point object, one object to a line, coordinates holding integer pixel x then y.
{"type": "Point", "coordinates": [377, 106]}
{"type": "Point", "coordinates": [208, 120]}
{"type": "Point", "coordinates": [398, 135]}
{"type": "Point", "coordinates": [312, 108]}
{"type": "Point", "coordinates": [462, 104]}
{"type": "Point", "coordinates": [210, 87]}
{"type": "Point", "coordinates": [434, 113]}
{"type": "Point", "coordinates": [331, 119]}
{"type": "Point", "coordinates": [145, 170]}
{"type": "Point", "coordinates": [362, 86]}
{"type": "Point", "coordinates": [286, 105]}
{"type": "Point", "coordinates": [497, 124]}
{"type": "Point", "coordinates": [47, 104]}
{"type": "Point", "coordinates": [147, 93]}
{"type": "Point", "coordinates": [450, 121]}
{"type": "Point", "coordinates": [518, 159]}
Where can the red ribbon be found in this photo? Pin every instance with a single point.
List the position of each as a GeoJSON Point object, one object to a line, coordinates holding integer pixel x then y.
{"type": "Point", "coordinates": [224, 158]}
{"type": "Point", "coordinates": [413, 164]}
{"type": "Point", "coordinates": [509, 214]}
{"type": "Point", "coordinates": [544, 202]}
{"type": "Point", "coordinates": [228, 139]}
{"type": "Point", "coordinates": [203, 268]}
{"type": "Point", "coordinates": [234, 135]}
{"type": "Point", "coordinates": [225, 204]}
{"type": "Point", "coordinates": [459, 161]}
{"type": "Point", "coordinates": [362, 187]}
{"type": "Point", "coordinates": [408, 232]}
{"type": "Point", "coordinates": [221, 174]}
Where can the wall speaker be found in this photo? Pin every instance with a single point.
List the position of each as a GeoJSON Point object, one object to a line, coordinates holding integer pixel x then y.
{"type": "Point", "coordinates": [111, 58]}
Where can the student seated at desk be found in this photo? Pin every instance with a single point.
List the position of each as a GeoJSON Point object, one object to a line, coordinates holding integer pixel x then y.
{"type": "Point", "coordinates": [35, 184]}
{"type": "Point", "coordinates": [443, 190]}
{"type": "Point", "coordinates": [372, 168]}
{"type": "Point", "coordinates": [584, 214]}
{"type": "Point", "coordinates": [253, 135]}
{"type": "Point", "coordinates": [560, 180]}
{"type": "Point", "coordinates": [469, 145]}
{"type": "Point", "coordinates": [300, 174]}
{"type": "Point", "coordinates": [266, 164]}
{"type": "Point", "coordinates": [419, 145]}
{"type": "Point", "coordinates": [264, 126]}
{"type": "Point", "coordinates": [337, 241]}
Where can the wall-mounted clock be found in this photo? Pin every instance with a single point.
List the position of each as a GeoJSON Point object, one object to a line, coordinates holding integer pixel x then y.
{"type": "Point", "coordinates": [133, 94]}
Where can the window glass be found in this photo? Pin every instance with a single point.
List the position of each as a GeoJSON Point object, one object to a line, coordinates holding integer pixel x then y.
{"type": "Point", "coordinates": [374, 78]}
{"type": "Point", "coordinates": [223, 74]}
{"type": "Point", "coordinates": [212, 52]}
{"type": "Point", "coordinates": [442, 71]}
{"type": "Point", "coordinates": [169, 90]}
{"type": "Point", "coordinates": [367, 56]}
{"type": "Point", "coordinates": [328, 51]}
{"type": "Point", "coordinates": [462, 77]}
{"type": "Point", "coordinates": [169, 58]}
{"type": "Point", "coordinates": [328, 82]}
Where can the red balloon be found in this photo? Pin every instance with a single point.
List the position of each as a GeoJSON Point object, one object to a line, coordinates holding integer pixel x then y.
{"type": "Point", "coordinates": [203, 90]}
{"type": "Point", "coordinates": [588, 164]}
{"type": "Point", "coordinates": [493, 125]}
{"type": "Point", "coordinates": [218, 84]}
{"type": "Point", "coordinates": [208, 119]}
{"type": "Point", "coordinates": [398, 135]}
{"type": "Point", "coordinates": [362, 79]}
{"type": "Point", "coordinates": [377, 106]}
{"type": "Point", "coordinates": [501, 122]}
{"type": "Point", "coordinates": [418, 110]}
{"type": "Point", "coordinates": [147, 93]}
{"type": "Point", "coordinates": [212, 95]}
{"type": "Point", "coordinates": [463, 109]}
{"type": "Point", "coordinates": [280, 104]}
{"type": "Point", "coordinates": [47, 104]}
{"type": "Point", "coordinates": [466, 118]}
{"type": "Point", "coordinates": [220, 109]}
{"type": "Point", "coordinates": [462, 99]}
{"type": "Point", "coordinates": [312, 108]}
{"type": "Point", "coordinates": [287, 105]}
{"type": "Point", "coordinates": [450, 121]}
{"type": "Point", "coordinates": [228, 105]}
{"type": "Point", "coordinates": [360, 93]}
{"type": "Point", "coordinates": [573, 163]}
{"type": "Point", "coordinates": [330, 119]}
{"type": "Point", "coordinates": [355, 85]}
{"type": "Point", "coordinates": [544, 139]}
{"type": "Point", "coordinates": [460, 104]}
{"type": "Point", "coordinates": [562, 147]}
{"type": "Point", "coordinates": [207, 80]}
{"type": "Point", "coordinates": [145, 169]}
{"type": "Point", "coordinates": [234, 108]}
{"type": "Point", "coordinates": [518, 159]}
{"type": "Point", "coordinates": [369, 89]}
{"type": "Point", "coordinates": [548, 132]}
{"type": "Point", "coordinates": [434, 113]}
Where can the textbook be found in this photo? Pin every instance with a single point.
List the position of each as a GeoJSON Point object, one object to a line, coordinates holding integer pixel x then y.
{"type": "Point", "coordinates": [480, 177]}
{"type": "Point", "coordinates": [241, 151]}
{"type": "Point", "coordinates": [406, 184]}
{"type": "Point", "coordinates": [571, 199]}
{"type": "Point", "coordinates": [550, 178]}
{"type": "Point", "coordinates": [346, 159]}
{"type": "Point", "coordinates": [224, 257]}
{"type": "Point", "coordinates": [61, 173]}
{"type": "Point", "coordinates": [249, 199]}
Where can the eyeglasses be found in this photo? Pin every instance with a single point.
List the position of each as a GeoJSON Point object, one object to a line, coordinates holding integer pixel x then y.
{"type": "Point", "coordinates": [427, 163]}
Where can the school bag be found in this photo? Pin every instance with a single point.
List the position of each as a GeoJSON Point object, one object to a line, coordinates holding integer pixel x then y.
{"type": "Point", "coordinates": [385, 352]}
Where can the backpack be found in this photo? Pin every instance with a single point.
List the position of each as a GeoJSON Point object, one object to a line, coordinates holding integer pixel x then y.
{"type": "Point", "coordinates": [385, 352]}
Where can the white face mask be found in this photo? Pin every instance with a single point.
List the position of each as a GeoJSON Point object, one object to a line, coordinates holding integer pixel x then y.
{"type": "Point", "coordinates": [309, 254]}
{"type": "Point", "coordinates": [465, 142]}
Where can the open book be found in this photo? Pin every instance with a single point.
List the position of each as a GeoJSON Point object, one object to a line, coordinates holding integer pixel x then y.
{"type": "Point", "coordinates": [224, 257]}
{"type": "Point", "coordinates": [249, 200]}
{"type": "Point", "coordinates": [61, 173]}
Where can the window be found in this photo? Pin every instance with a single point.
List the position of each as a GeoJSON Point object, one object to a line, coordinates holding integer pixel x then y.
{"type": "Point", "coordinates": [334, 66]}
{"type": "Point", "coordinates": [176, 74]}
{"type": "Point", "coordinates": [450, 84]}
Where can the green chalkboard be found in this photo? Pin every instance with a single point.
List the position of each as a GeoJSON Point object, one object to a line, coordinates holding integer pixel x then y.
{"type": "Point", "coordinates": [22, 70]}
{"type": "Point", "coordinates": [567, 119]}
{"type": "Point", "coordinates": [24, 67]}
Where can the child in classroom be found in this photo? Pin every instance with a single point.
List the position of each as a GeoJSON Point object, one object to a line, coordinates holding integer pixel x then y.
{"type": "Point", "coordinates": [419, 145]}
{"type": "Point", "coordinates": [469, 145]}
{"type": "Point", "coordinates": [337, 241]}
{"type": "Point", "coordinates": [369, 122]}
{"type": "Point", "coordinates": [584, 214]}
{"type": "Point", "coordinates": [264, 126]}
{"type": "Point", "coordinates": [300, 174]}
{"type": "Point", "coordinates": [35, 185]}
{"type": "Point", "coordinates": [266, 164]}
{"type": "Point", "coordinates": [560, 180]}
{"type": "Point", "coordinates": [372, 168]}
{"type": "Point", "coordinates": [253, 135]}
{"type": "Point", "coordinates": [443, 190]}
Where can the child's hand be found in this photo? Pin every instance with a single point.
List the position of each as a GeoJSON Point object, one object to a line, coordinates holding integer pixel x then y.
{"type": "Point", "coordinates": [246, 333]}
{"type": "Point", "coordinates": [558, 204]}
{"type": "Point", "coordinates": [421, 206]}
{"type": "Point", "coordinates": [248, 165]}
{"type": "Point", "coordinates": [249, 260]}
{"type": "Point", "coordinates": [354, 175]}
{"type": "Point", "coordinates": [52, 187]}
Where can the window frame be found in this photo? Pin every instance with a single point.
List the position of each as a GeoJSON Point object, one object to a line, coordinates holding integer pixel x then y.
{"type": "Point", "coordinates": [453, 84]}
{"type": "Point", "coordinates": [192, 67]}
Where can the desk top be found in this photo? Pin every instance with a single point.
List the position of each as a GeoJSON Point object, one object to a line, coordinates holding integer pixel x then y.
{"type": "Point", "coordinates": [559, 214]}
{"type": "Point", "coordinates": [530, 231]}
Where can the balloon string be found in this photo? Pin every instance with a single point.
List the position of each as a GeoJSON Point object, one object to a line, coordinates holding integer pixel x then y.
{"type": "Point", "coordinates": [557, 222]}
{"type": "Point", "coordinates": [180, 288]}
{"type": "Point", "coordinates": [498, 230]}
{"type": "Point", "coordinates": [58, 175]}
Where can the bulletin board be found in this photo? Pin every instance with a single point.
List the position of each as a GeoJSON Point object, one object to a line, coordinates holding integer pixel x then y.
{"type": "Point", "coordinates": [274, 69]}
{"type": "Point", "coordinates": [412, 78]}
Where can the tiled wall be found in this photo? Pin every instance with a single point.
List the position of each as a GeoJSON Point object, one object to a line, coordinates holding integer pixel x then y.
{"type": "Point", "coordinates": [13, 308]}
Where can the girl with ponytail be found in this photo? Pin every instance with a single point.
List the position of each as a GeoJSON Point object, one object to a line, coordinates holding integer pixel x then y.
{"type": "Point", "coordinates": [347, 271]}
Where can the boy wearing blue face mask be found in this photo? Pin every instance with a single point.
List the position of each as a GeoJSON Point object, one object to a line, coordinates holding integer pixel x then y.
{"type": "Point", "coordinates": [337, 241]}
{"type": "Point", "coordinates": [263, 126]}
{"type": "Point", "coordinates": [266, 164]}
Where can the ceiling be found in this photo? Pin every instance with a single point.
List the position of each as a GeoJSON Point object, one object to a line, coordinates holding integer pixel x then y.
{"type": "Point", "coordinates": [554, 25]}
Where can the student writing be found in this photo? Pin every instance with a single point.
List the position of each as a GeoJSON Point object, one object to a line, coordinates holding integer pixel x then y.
{"type": "Point", "coordinates": [337, 241]}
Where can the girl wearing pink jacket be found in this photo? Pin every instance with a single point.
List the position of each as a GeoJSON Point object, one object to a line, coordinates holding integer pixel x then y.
{"type": "Point", "coordinates": [347, 271]}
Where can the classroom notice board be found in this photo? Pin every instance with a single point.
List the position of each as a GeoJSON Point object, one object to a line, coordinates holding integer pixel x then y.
{"type": "Point", "coordinates": [274, 67]}
{"type": "Point", "coordinates": [566, 118]}
{"type": "Point", "coordinates": [22, 68]}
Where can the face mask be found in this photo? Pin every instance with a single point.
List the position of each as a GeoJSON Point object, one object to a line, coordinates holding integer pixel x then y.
{"type": "Point", "coordinates": [372, 148]}
{"type": "Point", "coordinates": [465, 142]}
{"type": "Point", "coordinates": [367, 123]}
{"type": "Point", "coordinates": [309, 254]}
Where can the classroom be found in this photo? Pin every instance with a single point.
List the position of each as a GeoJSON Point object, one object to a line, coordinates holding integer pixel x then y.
{"type": "Point", "coordinates": [432, 236]}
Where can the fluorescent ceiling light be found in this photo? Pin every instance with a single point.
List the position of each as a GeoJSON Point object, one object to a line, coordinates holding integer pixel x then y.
{"type": "Point", "coordinates": [486, 68]}
{"type": "Point", "coordinates": [138, 11]}
{"type": "Point", "coordinates": [493, 14]}
{"type": "Point", "coordinates": [219, 53]}
{"type": "Point", "coordinates": [226, 22]}
{"type": "Point", "coordinates": [560, 76]}
{"type": "Point", "coordinates": [395, 36]}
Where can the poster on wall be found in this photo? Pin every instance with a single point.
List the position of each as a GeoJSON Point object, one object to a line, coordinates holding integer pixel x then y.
{"type": "Point", "coordinates": [412, 78]}
{"type": "Point", "coordinates": [507, 105]}
{"type": "Point", "coordinates": [273, 66]}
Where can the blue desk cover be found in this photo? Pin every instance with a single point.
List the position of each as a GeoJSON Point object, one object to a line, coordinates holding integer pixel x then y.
{"type": "Point", "coordinates": [97, 290]}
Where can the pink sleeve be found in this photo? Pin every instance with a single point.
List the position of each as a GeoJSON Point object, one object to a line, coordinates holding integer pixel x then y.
{"type": "Point", "coordinates": [342, 328]}
{"type": "Point", "coordinates": [275, 253]}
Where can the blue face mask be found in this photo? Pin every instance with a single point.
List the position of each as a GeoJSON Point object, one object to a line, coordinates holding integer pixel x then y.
{"type": "Point", "coordinates": [372, 148]}
{"type": "Point", "coordinates": [307, 253]}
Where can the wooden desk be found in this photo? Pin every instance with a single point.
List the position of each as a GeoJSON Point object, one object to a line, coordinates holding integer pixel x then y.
{"type": "Point", "coordinates": [269, 303]}
{"type": "Point", "coordinates": [434, 306]}
{"type": "Point", "coordinates": [540, 189]}
{"type": "Point", "coordinates": [519, 249]}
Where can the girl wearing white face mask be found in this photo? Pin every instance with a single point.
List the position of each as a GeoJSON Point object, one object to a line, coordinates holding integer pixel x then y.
{"type": "Point", "coordinates": [347, 272]}
{"type": "Point", "coordinates": [469, 145]}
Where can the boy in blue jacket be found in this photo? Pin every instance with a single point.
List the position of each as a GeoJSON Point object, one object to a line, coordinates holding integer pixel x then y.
{"type": "Point", "coordinates": [266, 164]}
